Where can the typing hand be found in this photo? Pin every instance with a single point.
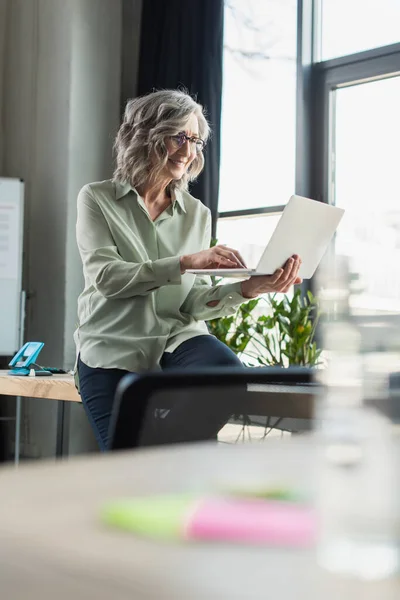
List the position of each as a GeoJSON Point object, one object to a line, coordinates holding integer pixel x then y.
{"type": "Point", "coordinates": [218, 257]}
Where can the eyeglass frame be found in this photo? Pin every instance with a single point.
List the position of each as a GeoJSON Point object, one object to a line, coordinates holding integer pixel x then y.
{"type": "Point", "coordinates": [187, 138]}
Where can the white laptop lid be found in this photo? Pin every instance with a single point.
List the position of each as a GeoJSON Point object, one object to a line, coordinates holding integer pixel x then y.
{"type": "Point", "coordinates": [305, 228]}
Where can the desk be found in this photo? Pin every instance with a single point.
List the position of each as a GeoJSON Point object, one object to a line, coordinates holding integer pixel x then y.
{"type": "Point", "coordinates": [53, 546]}
{"type": "Point", "coordinates": [287, 406]}
{"type": "Point", "coordinates": [56, 387]}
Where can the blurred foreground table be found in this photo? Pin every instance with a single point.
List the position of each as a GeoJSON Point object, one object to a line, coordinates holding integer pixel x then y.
{"type": "Point", "coordinates": [52, 544]}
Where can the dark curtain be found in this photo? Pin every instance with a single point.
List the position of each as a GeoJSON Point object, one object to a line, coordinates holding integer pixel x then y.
{"type": "Point", "coordinates": [181, 45]}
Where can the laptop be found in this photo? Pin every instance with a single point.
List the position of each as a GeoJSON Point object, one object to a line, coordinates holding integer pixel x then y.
{"type": "Point", "coordinates": [305, 228]}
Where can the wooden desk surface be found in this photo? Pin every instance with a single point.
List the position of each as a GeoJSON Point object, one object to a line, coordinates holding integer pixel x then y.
{"type": "Point", "coordinates": [53, 545]}
{"type": "Point", "coordinates": [62, 387]}
{"type": "Point", "coordinates": [57, 387]}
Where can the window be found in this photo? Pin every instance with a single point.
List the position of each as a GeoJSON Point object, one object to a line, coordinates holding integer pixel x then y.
{"type": "Point", "coordinates": [355, 157]}
{"type": "Point", "coordinates": [347, 130]}
{"type": "Point", "coordinates": [366, 176]}
{"type": "Point", "coordinates": [258, 104]}
{"type": "Point", "coordinates": [350, 26]}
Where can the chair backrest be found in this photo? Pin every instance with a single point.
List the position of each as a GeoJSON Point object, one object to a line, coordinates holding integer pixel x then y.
{"type": "Point", "coordinates": [181, 406]}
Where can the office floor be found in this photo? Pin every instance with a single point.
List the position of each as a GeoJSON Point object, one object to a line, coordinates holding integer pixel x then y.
{"type": "Point", "coordinates": [234, 433]}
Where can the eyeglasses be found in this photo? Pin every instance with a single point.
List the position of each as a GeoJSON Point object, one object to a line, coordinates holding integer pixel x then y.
{"type": "Point", "coordinates": [181, 138]}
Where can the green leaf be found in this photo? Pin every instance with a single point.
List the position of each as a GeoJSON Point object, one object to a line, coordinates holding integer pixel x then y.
{"type": "Point", "coordinates": [252, 304]}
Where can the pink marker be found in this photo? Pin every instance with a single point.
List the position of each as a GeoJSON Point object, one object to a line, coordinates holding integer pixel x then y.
{"type": "Point", "coordinates": [255, 521]}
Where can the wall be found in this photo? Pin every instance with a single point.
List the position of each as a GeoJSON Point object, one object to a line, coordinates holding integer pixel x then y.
{"type": "Point", "coordinates": [3, 18]}
{"type": "Point", "coordinates": [60, 107]}
{"type": "Point", "coordinates": [94, 118]}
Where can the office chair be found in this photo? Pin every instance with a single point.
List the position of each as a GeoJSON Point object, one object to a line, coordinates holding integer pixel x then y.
{"type": "Point", "coordinates": [184, 406]}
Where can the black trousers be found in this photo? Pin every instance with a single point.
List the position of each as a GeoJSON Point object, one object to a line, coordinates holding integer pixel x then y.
{"type": "Point", "coordinates": [98, 386]}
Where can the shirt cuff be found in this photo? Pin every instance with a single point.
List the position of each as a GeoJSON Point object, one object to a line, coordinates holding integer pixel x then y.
{"type": "Point", "coordinates": [231, 294]}
{"type": "Point", "coordinates": [167, 271]}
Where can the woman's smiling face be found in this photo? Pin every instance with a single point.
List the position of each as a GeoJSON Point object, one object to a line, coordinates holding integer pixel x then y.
{"type": "Point", "coordinates": [181, 157]}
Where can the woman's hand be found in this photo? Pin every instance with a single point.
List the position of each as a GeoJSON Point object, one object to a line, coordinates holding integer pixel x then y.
{"type": "Point", "coordinates": [280, 281]}
{"type": "Point", "coordinates": [218, 257]}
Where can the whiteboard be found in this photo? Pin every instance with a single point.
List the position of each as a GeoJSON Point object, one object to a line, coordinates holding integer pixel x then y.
{"type": "Point", "coordinates": [11, 245]}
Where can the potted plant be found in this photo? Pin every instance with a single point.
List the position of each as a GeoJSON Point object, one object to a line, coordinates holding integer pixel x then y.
{"type": "Point", "coordinates": [275, 330]}
{"type": "Point", "coordinates": [283, 334]}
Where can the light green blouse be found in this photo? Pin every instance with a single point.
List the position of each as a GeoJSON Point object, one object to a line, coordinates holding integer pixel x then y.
{"type": "Point", "coordinates": [136, 305]}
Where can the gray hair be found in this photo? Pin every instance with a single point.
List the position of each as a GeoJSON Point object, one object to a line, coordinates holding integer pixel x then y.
{"type": "Point", "coordinates": [147, 121]}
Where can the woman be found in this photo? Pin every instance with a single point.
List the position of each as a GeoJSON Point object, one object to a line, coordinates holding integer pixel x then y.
{"type": "Point", "coordinates": [137, 235]}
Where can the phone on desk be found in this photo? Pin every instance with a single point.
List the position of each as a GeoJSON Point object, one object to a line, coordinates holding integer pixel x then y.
{"type": "Point", "coordinates": [25, 361]}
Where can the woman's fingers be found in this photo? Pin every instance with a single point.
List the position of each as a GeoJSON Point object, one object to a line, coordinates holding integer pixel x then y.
{"type": "Point", "coordinates": [230, 254]}
{"type": "Point", "coordinates": [283, 279]}
{"type": "Point", "coordinates": [296, 266]}
{"type": "Point", "coordinates": [222, 260]}
{"type": "Point", "coordinates": [291, 269]}
{"type": "Point", "coordinates": [214, 258]}
{"type": "Point", "coordinates": [282, 276]}
{"type": "Point", "coordinates": [276, 277]}
{"type": "Point", "coordinates": [240, 258]}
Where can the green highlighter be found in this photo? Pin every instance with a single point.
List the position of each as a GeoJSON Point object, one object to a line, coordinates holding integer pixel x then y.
{"type": "Point", "coordinates": [155, 516]}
